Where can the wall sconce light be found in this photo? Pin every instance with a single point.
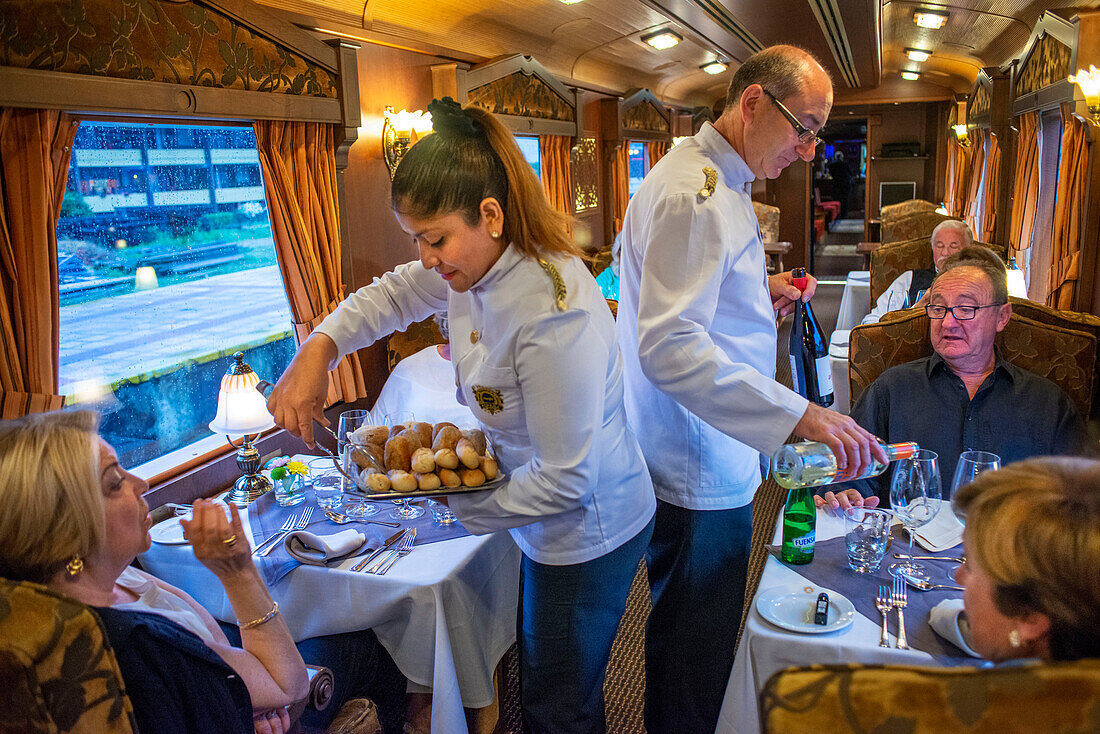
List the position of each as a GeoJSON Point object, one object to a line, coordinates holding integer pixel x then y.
{"type": "Point", "coordinates": [714, 67]}
{"type": "Point", "coordinates": [1016, 284]}
{"type": "Point", "coordinates": [399, 131]}
{"type": "Point", "coordinates": [917, 54]}
{"type": "Point", "coordinates": [933, 19]}
{"type": "Point", "coordinates": [1089, 82]}
{"type": "Point", "coordinates": [961, 135]}
{"type": "Point", "coordinates": [662, 39]}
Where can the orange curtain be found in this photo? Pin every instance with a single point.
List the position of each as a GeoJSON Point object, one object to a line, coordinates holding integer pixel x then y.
{"type": "Point", "coordinates": [620, 183]}
{"type": "Point", "coordinates": [1025, 192]}
{"type": "Point", "coordinates": [657, 150]}
{"type": "Point", "coordinates": [1068, 208]}
{"type": "Point", "coordinates": [556, 181]}
{"type": "Point", "coordinates": [299, 165]}
{"type": "Point", "coordinates": [974, 179]}
{"type": "Point", "coordinates": [992, 186]}
{"type": "Point", "coordinates": [35, 147]}
{"type": "Point", "coordinates": [958, 168]}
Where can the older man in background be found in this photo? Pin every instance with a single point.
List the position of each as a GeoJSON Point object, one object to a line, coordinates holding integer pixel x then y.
{"type": "Point", "coordinates": [965, 396]}
{"type": "Point", "coordinates": [948, 237]}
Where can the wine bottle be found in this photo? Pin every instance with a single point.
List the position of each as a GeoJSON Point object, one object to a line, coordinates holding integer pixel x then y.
{"type": "Point", "coordinates": [812, 464]}
{"type": "Point", "coordinates": [811, 373]}
{"type": "Point", "coordinates": [799, 527]}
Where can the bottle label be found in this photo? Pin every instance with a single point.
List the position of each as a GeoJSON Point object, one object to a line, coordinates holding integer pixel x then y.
{"type": "Point", "coordinates": [824, 376]}
{"type": "Point", "coordinates": [794, 374]}
{"type": "Point", "coordinates": [806, 542]}
{"type": "Point", "coordinates": [904, 450]}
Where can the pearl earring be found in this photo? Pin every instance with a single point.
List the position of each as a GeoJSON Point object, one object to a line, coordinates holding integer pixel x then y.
{"type": "Point", "coordinates": [495, 235]}
{"type": "Point", "coordinates": [1014, 638]}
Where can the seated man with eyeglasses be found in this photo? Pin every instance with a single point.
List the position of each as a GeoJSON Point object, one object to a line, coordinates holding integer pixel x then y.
{"type": "Point", "coordinates": [965, 396]}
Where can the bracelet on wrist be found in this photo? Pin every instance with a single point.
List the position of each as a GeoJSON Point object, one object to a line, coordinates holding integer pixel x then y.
{"type": "Point", "coordinates": [260, 620]}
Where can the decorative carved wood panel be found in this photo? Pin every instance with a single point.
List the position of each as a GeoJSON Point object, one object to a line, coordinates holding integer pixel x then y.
{"type": "Point", "coordinates": [1048, 63]}
{"type": "Point", "coordinates": [522, 95]}
{"type": "Point", "coordinates": [585, 165]}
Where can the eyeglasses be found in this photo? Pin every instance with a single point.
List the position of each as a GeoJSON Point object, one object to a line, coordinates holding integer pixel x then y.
{"type": "Point", "coordinates": [961, 313]}
{"type": "Point", "coordinates": [805, 134]}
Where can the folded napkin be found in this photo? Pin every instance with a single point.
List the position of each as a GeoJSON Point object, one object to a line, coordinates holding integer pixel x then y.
{"type": "Point", "coordinates": [315, 549]}
{"type": "Point", "coordinates": [945, 531]}
{"type": "Point", "coordinates": [946, 620]}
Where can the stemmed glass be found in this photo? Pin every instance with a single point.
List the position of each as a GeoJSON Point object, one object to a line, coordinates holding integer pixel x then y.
{"type": "Point", "coordinates": [971, 464]}
{"type": "Point", "coordinates": [914, 498]}
{"type": "Point", "coordinates": [350, 421]}
{"type": "Point", "coordinates": [406, 511]}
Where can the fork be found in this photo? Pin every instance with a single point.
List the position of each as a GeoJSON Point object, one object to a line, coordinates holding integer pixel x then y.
{"type": "Point", "coordinates": [298, 524]}
{"type": "Point", "coordinates": [884, 605]}
{"type": "Point", "coordinates": [900, 597]}
{"type": "Point", "coordinates": [403, 549]}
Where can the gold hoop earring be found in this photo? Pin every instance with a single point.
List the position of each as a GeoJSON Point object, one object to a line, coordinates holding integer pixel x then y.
{"type": "Point", "coordinates": [74, 566]}
{"type": "Point", "coordinates": [1014, 638]}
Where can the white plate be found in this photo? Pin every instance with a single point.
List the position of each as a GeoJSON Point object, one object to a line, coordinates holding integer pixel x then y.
{"type": "Point", "coordinates": [792, 608]}
{"type": "Point", "coordinates": [169, 532]}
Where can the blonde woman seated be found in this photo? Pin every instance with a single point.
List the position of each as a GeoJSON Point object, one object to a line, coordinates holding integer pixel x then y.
{"type": "Point", "coordinates": [1032, 571]}
{"type": "Point", "coordinates": [73, 519]}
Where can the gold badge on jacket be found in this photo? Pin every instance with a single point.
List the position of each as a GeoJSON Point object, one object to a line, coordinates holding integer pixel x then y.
{"type": "Point", "coordinates": [489, 398]}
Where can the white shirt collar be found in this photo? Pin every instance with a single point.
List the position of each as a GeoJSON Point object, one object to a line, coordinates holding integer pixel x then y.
{"type": "Point", "coordinates": [735, 172]}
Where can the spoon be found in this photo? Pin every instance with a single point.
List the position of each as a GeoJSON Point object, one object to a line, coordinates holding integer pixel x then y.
{"type": "Point", "coordinates": [952, 559]}
{"type": "Point", "coordinates": [926, 586]}
{"type": "Point", "coordinates": [341, 519]}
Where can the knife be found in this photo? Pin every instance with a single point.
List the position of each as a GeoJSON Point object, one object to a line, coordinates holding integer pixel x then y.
{"type": "Point", "coordinates": [390, 543]}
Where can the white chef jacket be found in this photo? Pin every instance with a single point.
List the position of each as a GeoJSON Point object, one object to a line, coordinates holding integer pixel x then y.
{"type": "Point", "coordinates": [697, 330]}
{"type": "Point", "coordinates": [893, 299]}
{"type": "Point", "coordinates": [551, 392]}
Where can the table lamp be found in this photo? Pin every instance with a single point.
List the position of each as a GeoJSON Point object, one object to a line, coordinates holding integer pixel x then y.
{"type": "Point", "coordinates": [1016, 285]}
{"type": "Point", "coordinates": [242, 411]}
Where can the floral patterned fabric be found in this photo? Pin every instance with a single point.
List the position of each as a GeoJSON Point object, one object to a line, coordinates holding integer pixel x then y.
{"type": "Point", "coordinates": [1065, 356]}
{"type": "Point", "coordinates": [410, 341]}
{"type": "Point", "coordinates": [1062, 697]}
{"type": "Point", "coordinates": [56, 668]}
{"type": "Point", "coordinates": [893, 212]}
{"type": "Point", "coordinates": [768, 217]}
{"type": "Point", "coordinates": [888, 261]}
{"type": "Point", "coordinates": [920, 224]}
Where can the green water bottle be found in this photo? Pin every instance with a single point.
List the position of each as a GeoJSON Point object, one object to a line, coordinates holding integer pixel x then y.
{"type": "Point", "coordinates": [799, 526]}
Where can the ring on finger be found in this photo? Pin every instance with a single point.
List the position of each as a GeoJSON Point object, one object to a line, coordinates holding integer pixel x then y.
{"type": "Point", "coordinates": [231, 540]}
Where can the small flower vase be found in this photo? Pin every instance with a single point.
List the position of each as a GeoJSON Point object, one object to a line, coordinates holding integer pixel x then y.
{"type": "Point", "coordinates": [290, 490]}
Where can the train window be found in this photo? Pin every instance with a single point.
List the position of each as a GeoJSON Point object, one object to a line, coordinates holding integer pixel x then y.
{"type": "Point", "coordinates": [529, 146]}
{"type": "Point", "coordinates": [637, 165]}
{"type": "Point", "coordinates": [1038, 260]}
{"type": "Point", "coordinates": [166, 266]}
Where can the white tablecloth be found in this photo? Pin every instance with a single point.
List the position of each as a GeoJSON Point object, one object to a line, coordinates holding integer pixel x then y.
{"type": "Point", "coordinates": [765, 650]}
{"type": "Point", "coordinates": [855, 303]}
{"type": "Point", "coordinates": [838, 365]}
{"type": "Point", "coordinates": [446, 612]}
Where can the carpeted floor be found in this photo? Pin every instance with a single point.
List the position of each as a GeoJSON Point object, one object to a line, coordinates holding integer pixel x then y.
{"type": "Point", "coordinates": [846, 226]}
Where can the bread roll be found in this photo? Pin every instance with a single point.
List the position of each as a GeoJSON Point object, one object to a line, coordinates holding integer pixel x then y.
{"type": "Point", "coordinates": [439, 427]}
{"type": "Point", "coordinates": [471, 477]}
{"type": "Point", "coordinates": [376, 453]}
{"type": "Point", "coordinates": [446, 458]}
{"type": "Point", "coordinates": [402, 481]}
{"type": "Point", "coordinates": [424, 431]}
{"type": "Point", "coordinates": [449, 478]}
{"type": "Point", "coordinates": [369, 434]}
{"type": "Point", "coordinates": [446, 438]}
{"type": "Point", "coordinates": [398, 454]}
{"type": "Point", "coordinates": [477, 438]}
{"type": "Point", "coordinates": [413, 437]}
{"type": "Point", "coordinates": [423, 461]}
{"type": "Point", "coordinates": [396, 429]}
{"type": "Point", "coordinates": [427, 482]}
{"type": "Point", "coordinates": [378, 482]}
{"type": "Point", "coordinates": [489, 468]}
{"type": "Point", "coordinates": [361, 458]}
{"type": "Point", "coordinates": [467, 454]}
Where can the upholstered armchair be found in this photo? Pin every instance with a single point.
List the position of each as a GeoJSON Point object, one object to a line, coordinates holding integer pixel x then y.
{"type": "Point", "coordinates": [888, 261]}
{"type": "Point", "coordinates": [919, 224]}
{"type": "Point", "coordinates": [1060, 697]}
{"type": "Point", "coordinates": [893, 212]}
{"type": "Point", "coordinates": [768, 217]}
{"type": "Point", "coordinates": [1064, 355]}
{"type": "Point", "coordinates": [406, 343]}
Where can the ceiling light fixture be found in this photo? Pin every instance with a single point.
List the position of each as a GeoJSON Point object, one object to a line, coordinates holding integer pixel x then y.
{"type": "Point", "coordinates": [714, 67]}
{"type": "Point", "coordinates": [910, 76]}
{"type": "Point", "coordinates": [917, 54]}
{"type": "Point", "coordinates": [570, 2]}
{"type": "Point", "coordinates": [930, 18]}
{"type": "Point", "coordinates": [663, 39]}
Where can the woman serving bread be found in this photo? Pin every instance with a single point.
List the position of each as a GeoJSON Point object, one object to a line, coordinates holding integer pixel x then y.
{"type": "Point", "coordinates": [535, 357]}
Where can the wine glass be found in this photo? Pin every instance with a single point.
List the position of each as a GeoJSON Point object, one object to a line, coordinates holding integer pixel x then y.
{"type": "Point", "coordinates": [971, 464]}
{"type": "Point", "coordinates": [914, 498]}
{"type": "Point", "coordinates": [350, 421]}
{"type": "Point", "coordinates": [406, 511]}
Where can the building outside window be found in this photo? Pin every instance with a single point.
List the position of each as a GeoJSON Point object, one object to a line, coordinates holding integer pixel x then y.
{"type": "Point", "coordinates": [166, 267]}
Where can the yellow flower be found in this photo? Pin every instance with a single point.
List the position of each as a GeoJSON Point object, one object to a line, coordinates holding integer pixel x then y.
{"type": "Point", "coordinates": [297, 467]}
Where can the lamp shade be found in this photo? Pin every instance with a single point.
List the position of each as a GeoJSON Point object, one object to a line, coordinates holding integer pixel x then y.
{"type": "Point", "coordinates": [241, 409]}
{"type": "Point", "coordinates": [1016, 285]}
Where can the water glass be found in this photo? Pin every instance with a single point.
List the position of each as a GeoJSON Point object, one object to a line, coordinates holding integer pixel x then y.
{"type": "Point", "coordinates": [971, 464]}
{"type": "Point", "coordinates": [866, 534]}
{"type": "Point", "coordinates": [914, 498]}
{"type": "Point", "coordinates": [327, 483]}
{"type": "Point", "coordinates": [441, 514]}
{"type": "Point", "coordinates": [406, 511]}
{"type": "Point", "coordinates": [290, 490]}
{"type": "Point", "coordinates": [350, 421]}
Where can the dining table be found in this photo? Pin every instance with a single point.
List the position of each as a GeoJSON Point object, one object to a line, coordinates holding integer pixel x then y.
{"type": "Point", "coordinates": [446, 612]}
{"type": "Point", "coordinates": [766, 649]}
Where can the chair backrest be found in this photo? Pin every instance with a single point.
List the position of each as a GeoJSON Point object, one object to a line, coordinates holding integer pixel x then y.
{"type": "Point", "coordinates": [1065, 356]}
{"type": "Point", "coordinates": [888, 261]}
{"type": "Point", "coordinates": [893, 212]}
{"type": "Point", "coordinates": [1063, 697]}
{"type": "Point", "coordinates": [918, 224]}
{"type": "Point", "coordinates": [57, 666]}
{"type": "Point", "coordinates": [1069, 320]}
{"type": "Point", "coordinates": [406, 343]}
{"type": "Point", "coordinates": [768, 218]}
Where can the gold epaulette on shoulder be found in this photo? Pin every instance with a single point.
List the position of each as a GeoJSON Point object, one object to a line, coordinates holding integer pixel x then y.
{"type": "Point", "coordinates": [559, 284]}
{"type": "Point", "coordinates": [711, 182]}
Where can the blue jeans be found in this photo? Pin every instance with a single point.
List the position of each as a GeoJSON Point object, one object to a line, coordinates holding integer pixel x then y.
{"type": "Point", "coordinates": [697, 562]}
{"type": "Point", "coordinates": [568, 618]}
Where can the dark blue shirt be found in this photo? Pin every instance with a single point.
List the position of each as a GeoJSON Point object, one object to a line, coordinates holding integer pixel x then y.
{"type": "Point", "coordinates": [1015, 414]}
